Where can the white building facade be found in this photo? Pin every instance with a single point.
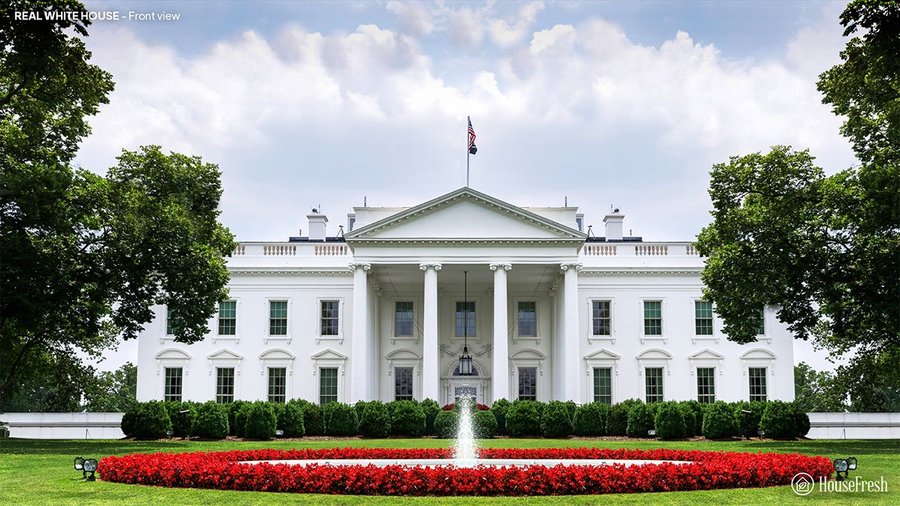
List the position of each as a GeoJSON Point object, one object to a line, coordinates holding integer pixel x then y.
{"type": "Point", "coordinates": [546, 312]}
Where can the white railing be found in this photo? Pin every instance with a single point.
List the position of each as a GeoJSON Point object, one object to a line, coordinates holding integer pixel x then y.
{"type": "Point", "coordinates": [251, 249]}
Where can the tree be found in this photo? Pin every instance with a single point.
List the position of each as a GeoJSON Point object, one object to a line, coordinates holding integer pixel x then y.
{"type": "Point", "coordinates": [112, 391]}
{"type": "Point", "coordinates": [83, 257]}
{"type": "Point", "coordinates": [822, 249]}
{"type": "Point", "coordinates": [816, 391]}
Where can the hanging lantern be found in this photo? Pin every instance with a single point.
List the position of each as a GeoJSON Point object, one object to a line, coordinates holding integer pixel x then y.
{"type": "Point", "coordinates": [465, 360]}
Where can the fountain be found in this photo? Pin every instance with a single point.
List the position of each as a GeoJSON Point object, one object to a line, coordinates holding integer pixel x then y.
{"type": "Point", "coordinates": [465, 452]}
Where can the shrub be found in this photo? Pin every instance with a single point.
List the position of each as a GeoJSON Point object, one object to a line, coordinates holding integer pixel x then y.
{"type": "Point", "coordinates": [719, 421]}
{"type": "Point", "coordinates": [523, 418]}
{"type": "Point", "coordinates": [237, 417]}
{"type": "Point", "coordinates": [748, 423]}
{"type": "Point", "coordinates": [485, 424]}
{"type": "Point", "coordinates": [697, 409]}
{"type": "Point", "coordinates": [128, 419]}
{"type": "Point", "coordinates": [181, 422]}
{"type": "Point", "coordinates": [640, 420]}
{"type": "Point", "coordinates": [669, 421]}
{"type": "Point", "coordinates": [590, 419]}
{"type": "Point", "coordinates": [375, 421]}
{"type": "Point", "coordinates": [778, 420]}
{"type": "Point", "coordinates": [340, 419]}
{"type": "Point", "coordinates": [617, 422]}
{"type": "Point", "coordinates": [801, 421]}
{"type": "Point", "coordinates": [690, 420]}
{"type": "Point", "coordinates": [445, 424]}
{"type": "Point", "coordinates": [431, 409]}
{"type": "Point", "coordinates": [408, 419]}
{"type": "Point", "coordinates": [555, 420]}
{"type": "Point", "coordinates": [359, 407]}
{"type": "Point", "coordinates": [500, 407]}
{"type": "Point", "coordinates": [260, 423]}
{"type": "Point", "coordinates": [290, 420]}
{"type": "Point", "coordinates": [211, 421]}
{"type": "Point", "coordinates": [152, 421]}
{"type": "Point", "coordinates": [313, 418]}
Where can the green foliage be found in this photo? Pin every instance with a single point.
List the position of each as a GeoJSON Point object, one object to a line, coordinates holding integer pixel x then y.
{"type": "Point", "coordinates": [129, 417]}
{"type": "Point", "coordinates": [816, 391]}
{"type": "Point", "coordinates": [555, 420]}
{"type": "Point", "coordinates": [523, 418]}
{"type": "Point", "coordinates": [407, 419]}
{"type": "Point", "coordinates": [698, 411]}
{"type": "Point", "coordinates": [719, 421]}
{"type": "Point", "coordinates": [484, 424]}
{"type": "Point", "coordinates": [445, 424]}
{"type": "Point", "coordinates": [431, 409]}
{"type": "Point", "coordinates": [341, 420]}
{"type": "Point", "coordinates": [211, 421]}
{"type": "Point", "coordinates": [591, 418]}
{"type": "Point", "coordinates": [617, 423]}
{"type": "Point", "coordinates": [640, 420]}
{"type": "Point", "coordinates": [261, 421]}
{"type": "Point", "coordinates": [313, 417]}
{"type": "Point", "coordinates": [690, 419]}
{"type": "Point", "coordinates": [290, 420]}
{"type": "Point", "coordinates": [499, 408]}
{"type": "Point", "coordinates": [237, 417]}
{"type": "Point", "coordinates": [801, 421]}
{"type": "Point", "coordinates": [181, 422]}
{"type": "Point", "coordinates": [748, 415]}
{"type": "Point", "coordinates": [375, 421]}
{"type": "Point", "coordinates": [778, 420]}
{"type": "Point", "coordinates": [152, 421]}
{"type": "Point", "coordinates": [669, 421]}
{"type": "Point", "coordinates": [112, 391]}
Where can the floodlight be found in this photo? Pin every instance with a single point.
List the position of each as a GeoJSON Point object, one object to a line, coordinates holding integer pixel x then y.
{"type": "Point", "coordinates": [651, 432]}
{"type": "Point", "coordinates": [279, 432]}
{"type": "Point", "coordinates": [841, 465]}
{"type": "Point", "coordinates": [90, 465]}
{"type": "Point", "coordinates": [851, 463]}
{"type": "Point", "coordinates": [79, 464]}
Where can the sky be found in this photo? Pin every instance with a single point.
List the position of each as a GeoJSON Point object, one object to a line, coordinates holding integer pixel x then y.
{"type": "Point", "coordinates": [325, 104]}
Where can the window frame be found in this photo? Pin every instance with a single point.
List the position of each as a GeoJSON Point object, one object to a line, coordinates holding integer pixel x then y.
{"type": "Point", "coordinates": [340, 320]}
{"type": "Point", "coordinates": [765, 383]}
{"type": "Point", "coordinates": [662, 383]}
{"type": "Point", "coordinates": [412, 383]}
{"type": "Point", "coordinates": [284, 386]}
{"type": "Point", "coordinates": [413, 334]}
{"type": "Point", "coordinates": [519, 382]}
{"type": "Point", "coordinates": [709, 396]}
{"type": "Point", "coordinates": [218, 335]}
{"type": "Point", "coordinates": [697, 320]}
{"type": "Point", "coordinates": [474, 324]}
{"type": "Point", "coordinates": [276, 337]}
{"type": "Point", "coordinates": [596, 395]}
{"type": "Point", "coordinates": [166, 385]}
{"type": "Point", "coordinates": [518, 310]}
{"type": "Point", "coordinates": [218, 391]}
{"type": "Point", "coordinates": [337, 388]}
{"type": "Point", "coordinates": [332, 322]}
{"type": "Point", "coordinates": [644, 318]}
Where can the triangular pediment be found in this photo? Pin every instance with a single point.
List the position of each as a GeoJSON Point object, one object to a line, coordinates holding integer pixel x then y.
{"type": "Point", "coordinates": [465, 214]}
{"type": "Point", "coordinates": [224, 354]}
{"type": "Point", "coordinates": [329, 354]}
{"type": "Point", "coordinates": [706, 354]}
{"type": "Point", "coordinates": [602, 354]}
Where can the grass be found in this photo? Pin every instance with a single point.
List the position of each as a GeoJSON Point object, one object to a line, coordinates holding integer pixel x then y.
{"type": "Point", "coordinates": [40, 472]}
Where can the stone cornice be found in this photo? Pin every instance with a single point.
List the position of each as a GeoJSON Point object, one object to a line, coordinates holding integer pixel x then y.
{"type": "Point", "coordinates": [640, 271]}
{"type": "Point", "coordinates": [565, 241]}
{"type": "Point", "coordinates": [282, 271]}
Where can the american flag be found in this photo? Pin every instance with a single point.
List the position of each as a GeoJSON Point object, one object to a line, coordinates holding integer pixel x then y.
{"type": "Point", "coordinates": [472, 148]}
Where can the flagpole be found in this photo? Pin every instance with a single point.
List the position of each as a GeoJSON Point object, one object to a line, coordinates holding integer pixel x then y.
{"type": "Point", "coordinates": [468, 152]}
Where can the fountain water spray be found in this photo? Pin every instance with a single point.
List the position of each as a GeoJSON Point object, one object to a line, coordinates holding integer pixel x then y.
{"type": "Point", "coordinates": [465, 452]}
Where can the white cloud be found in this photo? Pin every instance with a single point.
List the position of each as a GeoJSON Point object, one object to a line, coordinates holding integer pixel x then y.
{"type": "Point", "coordinates": [413, 18]}
{"type": "Point", "coordinates": [505, 33]}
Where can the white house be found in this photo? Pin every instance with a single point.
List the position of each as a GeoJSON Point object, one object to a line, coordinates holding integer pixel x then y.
{"type": "Point", "coordinates": [547, 312]}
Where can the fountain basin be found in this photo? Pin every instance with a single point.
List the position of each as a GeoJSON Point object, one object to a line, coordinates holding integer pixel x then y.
{"type": "Point", "coordinates": [468, 463]}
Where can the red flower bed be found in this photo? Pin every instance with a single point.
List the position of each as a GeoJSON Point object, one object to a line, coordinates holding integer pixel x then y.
{"type": "Point", "coordinates": [452, 406]}
{"type": "Point", "coordinates": [222, 470]}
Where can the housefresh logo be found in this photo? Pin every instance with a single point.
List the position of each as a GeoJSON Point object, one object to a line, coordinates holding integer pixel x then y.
{"type": "Point", "coordinates": [804, 484]}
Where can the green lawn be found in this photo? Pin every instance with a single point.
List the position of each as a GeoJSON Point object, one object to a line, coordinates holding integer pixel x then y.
{"type": "Point", "coordinates": [40, 472]}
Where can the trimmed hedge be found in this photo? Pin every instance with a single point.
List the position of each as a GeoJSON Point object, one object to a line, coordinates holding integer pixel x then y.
{"type": "Point", "coordinates": [617, 422]}
{"type": "Point", "coordinates": [640, 421]}
{"type": "Point", "coordinates": [445, 424]}
{"type": "Point", "coordinates": [719, 421]}
{"type": "Point", "coordinates": [313, 418]}
{"type": "Point", "coordinates": [181, 422]}
{"type": "Point", "coordinates": [523, 418]}
{"type": "Point", "coordinates": [340, 419]}
{"type": "Point", "coordinates": [500, 407]}
{"type": "Point", "coordinates": [375, 421]}
{"type": "Point", "coordinates": [690, 420]}
{"type": "Point", "coordinates": [290, 420]}
{"type": "Point", "coordinates": [748, 423]}
{"type": "Point", "coordinates": [151, 421]}
{"type": "Point", "coordinates": [697, 410]}
{"type": "Point", "coordinates": [590, 419]}
{"type": "Point", "coordinates": [782, 420]}
{"type": "Point", "coordinates": [407, 419]}
{"type": "Point", "coordinates": [431, 408]}
{"type": "Point", "coordinates": [485, 424]}
{"type": "Point", "coordinates": [211, 421]}
{"type": "Point", "coordinates": [128, 419]}
{"type": "Point", "coordinates": [555, 420]}
{"type": "Point", "coordinates": [261, 421]}
{"type": "Point", "coordinates": [669, 421]}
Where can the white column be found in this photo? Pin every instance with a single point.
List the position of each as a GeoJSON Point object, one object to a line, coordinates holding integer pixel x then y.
{"type": "Point", "coordinates": [571, 380]}
{"type": "Point", "coordinates": [359, 340]}
{"type": "Point", "coordinates": [500, 373]}
{"type": "Point", "coordinates": [431, 375]}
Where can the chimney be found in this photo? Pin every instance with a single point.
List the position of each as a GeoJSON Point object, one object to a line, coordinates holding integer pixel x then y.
{"type": "Point", "coordinates": [317, 226]}
{"type": "Point", "coordinates": [613, 222]}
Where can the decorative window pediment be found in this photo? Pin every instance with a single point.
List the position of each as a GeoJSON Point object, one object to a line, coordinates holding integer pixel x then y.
{"type": "Point", "coordinates": [602, 355]}
{"type": "Point", "coordinates": [225, 354]}
{"type": "Point", "coordinates": [276, 354]}
{"type": "Point", "coordinates": [528, 354]}
{"type": "Point", "coordinates": [328, 354]}
{"type": "Point", "coordinates": [172, 354]}
{"type": "Point", "coordinates": [654, 354]}
{"type": "Point", "coordinates": [225, 358]}
{"type": "Point", "coordinates": [758, 354]}
{"type": "Point", "coordinates": [173, 357]}
{"type": "Point", "coordinates": [403, 355]}
{"type": "Point", "coordinates": [706, 354]}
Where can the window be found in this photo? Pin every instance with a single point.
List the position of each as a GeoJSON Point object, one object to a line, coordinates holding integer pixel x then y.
{"type": "Point", "coordinates": [601, 318]}
{"type": "Point", "coordinates": [403, 383]}
{"type": "Point", "coordinates": [652, 318]}
{"type": "Point", "coordinates": [278, 317]}
{"type": "Point", "coordinates": [465, 319]}
{"type": "Point", "coordinates": [227, 318]}
{"type": "Point", "coordinates": [330, 317]}
{"type": "Point", "coordinates": [527, 319]}
{"type": "Point", "coordinates": [603, 385]}
{"type": "Point", "coordinates": [528, 383]}
{"type": "Point", "coordinates": [277, 384]}
{"type": "Point", "coordinates": [172, 323]}
{"type": "Point", "coordinates": [703, 318]}
{"type": "Point", "coordinates": [758, 384]}
{"type": "Point", "coordinates": [654, 379]}
{"type": "Point", "coordinates": [403, 319]}
{"type": "Point", "coordinates": [328, 385]}
{"type": "Point", "coordinates": [173, 384]}
{"type": "Point", "coordinates": [761, 323]}
{"type": "Point", "coordinates": [706, 384]}
{"type": "Point", "coordinates": [224, 384]}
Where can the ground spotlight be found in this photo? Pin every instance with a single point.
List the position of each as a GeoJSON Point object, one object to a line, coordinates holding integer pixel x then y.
{"type": "Point", "coordinates": [79, 464]}
{"type": "Point", "coordinates": [851, 463]}
{"type": "Point", "coordinates": [843, 467]}
{"type": "Point", "coordinates": [90, 466]}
